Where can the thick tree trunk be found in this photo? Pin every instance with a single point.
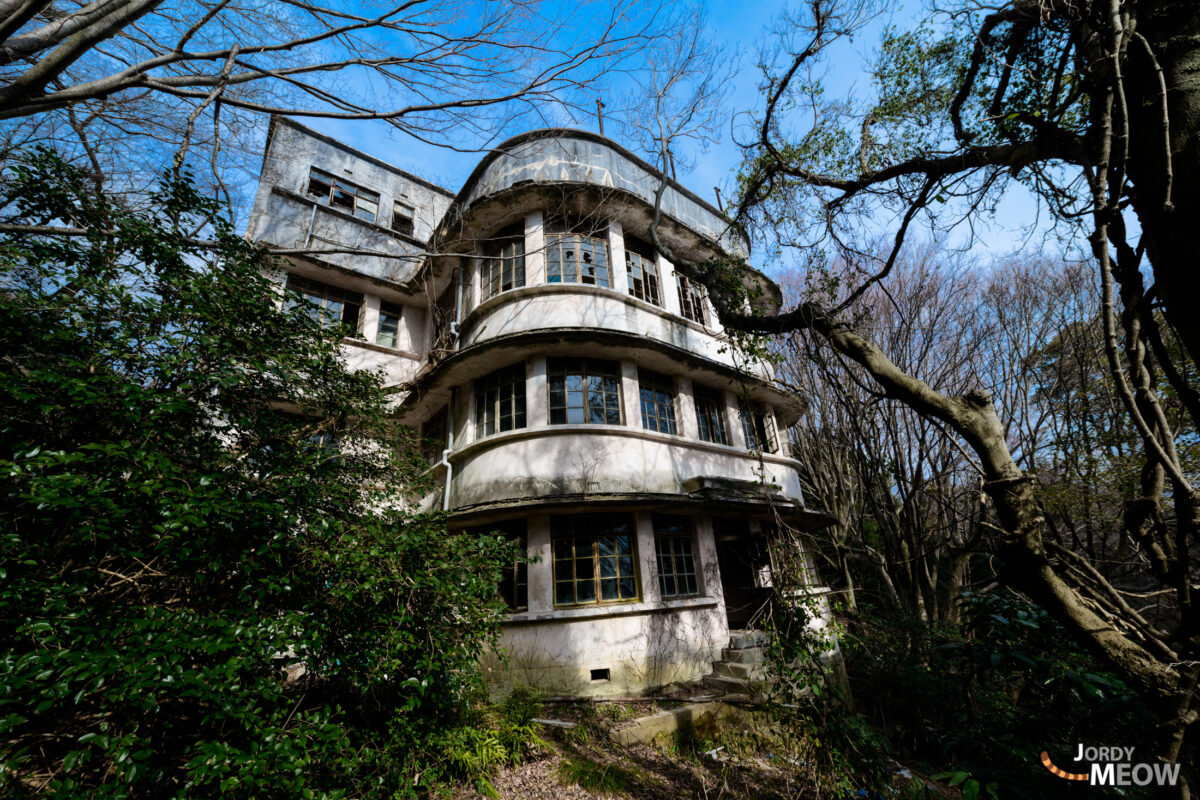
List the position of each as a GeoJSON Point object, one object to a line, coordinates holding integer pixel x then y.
{"type": "Point", "coordinates": [1172, 30]}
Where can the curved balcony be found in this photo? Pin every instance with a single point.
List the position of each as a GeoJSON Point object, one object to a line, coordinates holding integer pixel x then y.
{"type": "Point", "coordinates": [564, 462]}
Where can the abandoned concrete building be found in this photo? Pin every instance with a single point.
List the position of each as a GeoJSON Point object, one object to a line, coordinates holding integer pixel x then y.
{"type": "Point", "coordinates": [580, 394]}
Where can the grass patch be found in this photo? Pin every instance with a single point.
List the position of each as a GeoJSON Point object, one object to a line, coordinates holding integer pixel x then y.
{"type": "Point", "coordinates": [600, 778]}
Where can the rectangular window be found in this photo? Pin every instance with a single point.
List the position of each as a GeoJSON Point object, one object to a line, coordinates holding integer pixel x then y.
{"type": "Point", "coordinates": [675, 556]}
{"type": "Point", "coordinates": [328, 306]}
{"type": "Point", "coordinates": [514, 582]}
{"type": "Point", "coordinates": [433, 436]}
{"type": "Point", "coordinates": [642, 271]}
{"type": "Point", "coordinates": [332, 191]}
{"type": "Point", "coordinates": [658, 401]}
{"type": "Point", "coordinates": [757, 428]}
{"type": "Point", "coordinates": [594, 559]}
{"type": "Point", "coordinates": [691, 299]}
{"type": "Point", "coordinates": [403, 218]}
{"type": "Point", "coordinates": [388, 334]}
{"type": "Point", "coordinates": [500, 401]}
{"type": "Point", "coordinates": [584, 391]}
{"type": "Point", "coordinates": [573, 257]}
{"type": "Point", "coordinates": [710, 414]}
{"type": "Point", "coordinates": [504, 267]}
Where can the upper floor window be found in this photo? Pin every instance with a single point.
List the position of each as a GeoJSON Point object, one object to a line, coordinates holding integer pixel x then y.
{"type": "Point", "coordinates": [594, 559]}
{"type": "Point", "coordinates": [642, 271]}
{"type": "Point", "coordinates": [658, 401]}
{"type": "Point", "coordinates": [675, 556]}
{"type": "Point", "coordinates": [575, 257]}
{"type": "Point", "coordinates": [327, 305]}
{"type": "Point", "coordinates": [339, 193]}
{"type": "Point", "coordinates": [388, 332]}
{"type": "Point", "coordinates": [504, 267]}
{"type": "Point", "coordinates": [433, 435]}
{"type": "Point", "coordinates": [691, 299]}
{"type": "Point", "coordinates": [756, 425]}
{"type": "Point", "coordinates": [584, 391]}
{"type": "Point", "coordinates": [403, 218]}
{"type": "Point", "coordinates": [710, 414]}
{"type": "Point", "coordinates": [500, 401]}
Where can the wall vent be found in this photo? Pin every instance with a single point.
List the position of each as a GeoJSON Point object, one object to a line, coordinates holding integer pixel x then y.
{"type": "Point", "coordinates": [600, 674]}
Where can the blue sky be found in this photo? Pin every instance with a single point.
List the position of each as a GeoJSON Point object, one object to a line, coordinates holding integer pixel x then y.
{"type": "Point", "coordinates": [742, 28]}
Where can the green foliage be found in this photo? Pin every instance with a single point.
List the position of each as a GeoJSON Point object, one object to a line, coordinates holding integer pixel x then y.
{"type": "Point", "coordinates": [987, 697]}
{"type": "Point", "coordinates": [198, 491]}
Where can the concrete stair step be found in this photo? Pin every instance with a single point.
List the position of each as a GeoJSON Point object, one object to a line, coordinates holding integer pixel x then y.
{"type": "Point", "coordinates": [726, 685]}
{"type": "Point", "coordinates": [745, 655]}
{"type": "Point", "coordinates": [740, 640]}
{"type": "Point", "coordinates": [733, 669]}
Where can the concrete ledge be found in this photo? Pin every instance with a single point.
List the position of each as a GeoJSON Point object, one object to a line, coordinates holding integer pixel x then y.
{"type": "Point", "coordinates": [698, 720]}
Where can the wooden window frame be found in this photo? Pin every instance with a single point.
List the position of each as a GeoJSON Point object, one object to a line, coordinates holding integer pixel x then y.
{"type": "Point", "coordinates": [560, 371]}
{"type": "Point", "coordinates": [675, 547]}
{"type": "Point", "coordinates": [711, 423]}
{"type": "Point", "coordinates": [319, 297]}
{"type": "Point", "coordinates": [390, 311]}
{"type": "Point", "coordinates": [691, 299]}
{"type": "Point", "coordinates": [504, 267]}
{"type": "Point", "coordinates": [492, 392]}
{"type": "Point", "coordinates": [757, 428]}
{"type": "Point", "coordinates": [591, 529]}
{"type": "Point", "coordinates": [353, 199]}
{"type": "Point", "coordinates": [642, 272]}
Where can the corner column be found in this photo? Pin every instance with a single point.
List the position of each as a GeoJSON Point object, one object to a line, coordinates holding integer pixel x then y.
{"type": "Point", "coordinates": [647, 561]}
{"type": "Point", "coordinates": [618, 278]}
{"type": "Point", "coordinates": [541, 572]}
{"type": "Point", "coordinates": [535, 248]}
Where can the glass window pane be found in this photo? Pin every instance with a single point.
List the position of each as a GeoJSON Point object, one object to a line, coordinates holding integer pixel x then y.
{"type": "Point", "coordinates": [608, 589]}
{"type": "Point", "coordinates": [628, 588]}
{"type": "Point", "coordinates": [586, 591]}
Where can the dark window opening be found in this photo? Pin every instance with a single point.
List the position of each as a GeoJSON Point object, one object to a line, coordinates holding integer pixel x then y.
{"type": "Point", "coordinates": [514, 581]}
{"type": "Point", "coordinates": [691, 299]}
{"type": "Point", "coordinates": [333, 191]}
{"type": "Point", "coordinates": [575, 256]}
{"type": "Point", "coordinates": [642, 271]}
{"type": "Point", "coordinates": [757, 428]}
{"type": "Point", "coordinates": [710, 415]}
{"type": "Point", "coordinates": [504, 267]}
{"type": "Point", "coordinates": [403, 218]}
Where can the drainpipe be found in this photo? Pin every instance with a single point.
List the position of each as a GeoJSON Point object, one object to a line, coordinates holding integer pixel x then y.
{"type": "Point", "coordinates": [312, 221]}
{"type": "Point", "coordinates": [458, 302]}
{"type": "Point", "coordinates": [445, 462]}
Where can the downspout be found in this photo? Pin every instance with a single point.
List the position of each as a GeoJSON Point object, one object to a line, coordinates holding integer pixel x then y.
{"type": "Point", "coordinates": [445, 462]}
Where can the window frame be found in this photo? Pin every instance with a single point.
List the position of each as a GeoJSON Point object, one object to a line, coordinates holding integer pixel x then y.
{"type": "Point", "coordinates": [647, 287]}
{"type": "Point", "coordinates": [588, 368]}
{"type": "Point", "coordinates": [501, 270]}
{"type": "Point", "coordinates": [299, 289]}
{"type": "Point", "coordinates": [703, 397]}
{"type": "Point", "coordinates": [405, 224]}
{"type": "Point", "coordinates": [515, 578]}
{"type": "Point", "coordinates": [490, 396]}
{"type": "Point", "coordinates": [692, 304]}
{"type": "Point", "coordinates": [390, 311]}
{"type": "Point", "coordinates": [358, 195]}
{"type": "Point", "coordinates": [676, 531]}
{"type": "Point", "coordinates": [655, 412]}
{"type": "Point", "coordinates": [560, 237]}
{"type": "Point", "coordinates": [581, 527]}
{"type": "Point", "coordinates": [755, 424]}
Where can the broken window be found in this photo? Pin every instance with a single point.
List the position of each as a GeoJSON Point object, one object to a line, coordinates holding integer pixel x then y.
{"type": "Point", "coordinates": [584, 391]}
{"type": "Point", "coordinates": [500, 401]}
{"type": "Point", "coordinates": [504, 267]}
{"type": "Point", "coordinates": [403, 218]}
{"type": "Point", "coordinates": [388, 333]}
{"type": "Point", "coordinates": [575, 257]}
{"type": "Point", "coordinates": [594, 559]}
{"type": "Point", "coordinates": [691, 299]}
{"type": "Point", "coordinates": [710, 414]}
{"type": "Point", "coordinates": [675, 556]}
{"type": "Point", "coordinates": [658, 401]}
{"type": "Point", "coordinates": [757, 427]}
{"type": "Point", "coordinates": [642, 271]}
{"type": "Point", "coordinates": [328, 306]}
{"type": "Point", "coordinates": [339, 193]}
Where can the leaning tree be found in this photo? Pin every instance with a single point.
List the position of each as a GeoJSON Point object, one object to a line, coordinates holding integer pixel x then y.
{"type": "Point", "coordinates": [1093, 107]}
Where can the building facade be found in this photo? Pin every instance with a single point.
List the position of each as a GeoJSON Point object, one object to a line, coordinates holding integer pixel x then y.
{"type": "Point", "coordinates": [576, 393]}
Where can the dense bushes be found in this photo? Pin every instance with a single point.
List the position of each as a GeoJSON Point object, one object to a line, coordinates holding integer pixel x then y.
{"type": "Point", "coordinates": [196, 492]}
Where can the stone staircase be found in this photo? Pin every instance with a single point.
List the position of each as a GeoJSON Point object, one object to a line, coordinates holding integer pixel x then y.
{"type": "Point", "coordinates": [741, 666]}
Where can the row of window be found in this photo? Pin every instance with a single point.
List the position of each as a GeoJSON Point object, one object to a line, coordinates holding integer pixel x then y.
{"type": "Point", "coordinates": [595, 559]}
{"type": "Point", "coordinates": [578, 255]}
{"type": "Point", "coordinates": [333, 307]}
{"type": "Point", "coordinates": [336, 192]}
{"type": "Point", "coordinates": [587, 391]}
